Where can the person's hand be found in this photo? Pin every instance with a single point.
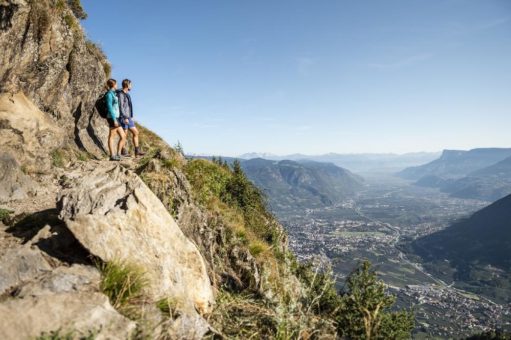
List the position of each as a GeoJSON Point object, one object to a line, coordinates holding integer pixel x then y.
{"type": "Point", "coordinates": [116, 124]}
{"type": "Point", "coordinates": [126, 121]}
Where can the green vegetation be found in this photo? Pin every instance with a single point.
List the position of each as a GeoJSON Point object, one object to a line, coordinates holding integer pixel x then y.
{"type": "Point", "coordinates": [240, 219]}
{"type": "Point", "coordinates": [364, 310]}
{"type": "Point", "coordinates": [123, 283]}
{"type": "Point", "coordinates": [39, 18]}
{"type": "Point", "coordinates": [77, 9]}
{"type": "Point", "coordinates": [57, 158]}
{"type": "Point", "coordinates": [70, 21]}
{"type": "Point", "coordinates": [4, 213]}
{"type": "Point", "coordinates": [71, 335]}
{"type": "Point", "coordinates": [491, 335]}
{"type": "Point", "coordinates": [96, 49]}
{"type": "Point", "coordinates": [168, 307]}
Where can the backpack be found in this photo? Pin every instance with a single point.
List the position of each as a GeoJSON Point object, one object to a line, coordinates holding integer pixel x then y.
{"type": "Point", "coordinates": [101, 106]}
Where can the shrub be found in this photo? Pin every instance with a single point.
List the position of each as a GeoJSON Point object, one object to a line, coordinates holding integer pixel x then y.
{"type": "Point", "coordinates": [364, 312]}
{"type": "Point", "coordinates": [70, 21]}
{"type": "Point", "coordinates": [257, 247]}
{"type": "Point", "coordinates": [77, 9]}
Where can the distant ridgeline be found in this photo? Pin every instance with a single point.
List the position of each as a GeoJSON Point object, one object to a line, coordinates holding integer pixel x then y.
{"type": "Point", "coordinates": [483, 174]}
{"type": "Point", "coordinates": [301, 184]}
{"type": "Point", "coordinates": [477, 250]}
{"type": "Point", "coordinates": [304, 184]}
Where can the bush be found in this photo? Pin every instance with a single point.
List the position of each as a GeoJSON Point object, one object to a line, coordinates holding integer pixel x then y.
{"type": "Point", "coordinates": [77, 9]}
{"type": "Point", "coordinates": [364, 310]}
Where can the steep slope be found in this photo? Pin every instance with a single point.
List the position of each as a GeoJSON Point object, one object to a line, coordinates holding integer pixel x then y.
{"type": "Point", "coordinates": [457, 163]}
{"type": "Point", "coordinates": [298, 185]}
{"type": "Point", "coordinates": [473, 246]}
{"type": "Point", "coordinates": [77, 232]}
{"type": "Point", "coordinates": [490, 183]}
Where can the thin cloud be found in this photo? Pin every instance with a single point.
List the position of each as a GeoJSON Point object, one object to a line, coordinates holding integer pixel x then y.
{"type": "Point", "coordinates": [405, 62]}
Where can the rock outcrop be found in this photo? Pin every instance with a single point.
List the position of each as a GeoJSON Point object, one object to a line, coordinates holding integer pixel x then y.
{"type": "Point", "coordinates": [115, 216]}
{"type": "Point", "coordinates": [46, 56]}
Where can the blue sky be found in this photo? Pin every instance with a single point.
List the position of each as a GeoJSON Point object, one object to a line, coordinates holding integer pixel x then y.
{"type": "Point", "coordinates": [234, 76]}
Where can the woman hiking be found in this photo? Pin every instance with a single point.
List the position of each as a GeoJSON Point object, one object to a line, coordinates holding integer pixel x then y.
{"type": "Point", "coordinates": [112, 104]}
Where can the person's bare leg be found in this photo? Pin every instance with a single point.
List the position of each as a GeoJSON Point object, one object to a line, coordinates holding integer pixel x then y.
{"type": "Point", "coordinates": [134, 136]}
{"type": "Point", "coordinates": [126, 145]}
{"type": "Point", "coordinates": [111, 142]}
{"type": "Point", "coordinates": [122, 139]}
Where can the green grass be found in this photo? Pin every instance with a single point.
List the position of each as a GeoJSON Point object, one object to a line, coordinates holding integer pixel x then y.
{"type": "Point", "coordinates": [57, 158]}
{"type": "Point", "coordinates": [123, 283]}
{"type": "Point", "coordinates": [70, 335]}
{"type": "Point", "coordinates": [70, 21]}
{"type": "Point", "coordinates": [168, 307]}
{"type": "Point", "coordinates": [4, 213]}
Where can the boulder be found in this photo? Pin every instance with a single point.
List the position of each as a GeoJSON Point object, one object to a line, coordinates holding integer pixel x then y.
{"type": "Point", "coordinates": [116, 217]}
{"type": "Point", "coordinates": [79, 313]}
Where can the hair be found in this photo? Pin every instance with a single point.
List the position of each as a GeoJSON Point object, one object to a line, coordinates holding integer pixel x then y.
{"type": "Point", "coordinates": [126, 83]}
{"type": "Point", "coordinates": [110, 83]}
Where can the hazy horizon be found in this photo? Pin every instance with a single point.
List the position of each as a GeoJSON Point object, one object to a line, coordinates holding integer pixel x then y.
{"type": "Point", "coordinates": [298, 76]}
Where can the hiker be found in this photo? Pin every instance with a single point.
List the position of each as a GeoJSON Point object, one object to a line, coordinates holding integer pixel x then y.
{"type": "Point", "coordinates": [112, 104]}
{"type": "Point", "coordinates": [126, 119]}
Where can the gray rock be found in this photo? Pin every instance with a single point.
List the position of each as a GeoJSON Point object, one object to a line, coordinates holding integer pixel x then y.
{"type": "Point", "coordinates": [77, 312]}
{"type": "Point", "coordinates": [19, 265]}
{"type": "Point", "coordinates": [116, 217]}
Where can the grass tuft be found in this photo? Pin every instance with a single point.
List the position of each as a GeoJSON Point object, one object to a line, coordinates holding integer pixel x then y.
{"type": "Point", "coordinates": [71, 335]}
{"type": "Point", "coordinates": [57, 158]}
{"type": "Point", "coordinates": [123, 283]}
{"type": "Point", "coordinates": [4, 213]}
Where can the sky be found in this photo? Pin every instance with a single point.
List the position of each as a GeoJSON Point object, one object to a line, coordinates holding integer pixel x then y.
{"type": "Point", "coordinates": [227, 77]}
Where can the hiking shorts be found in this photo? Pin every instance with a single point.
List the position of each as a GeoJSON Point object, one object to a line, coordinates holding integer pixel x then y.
{"type": "Point", "coordinates": [113, 123]}
{"type": "Point", "coordinates": [131, 123]}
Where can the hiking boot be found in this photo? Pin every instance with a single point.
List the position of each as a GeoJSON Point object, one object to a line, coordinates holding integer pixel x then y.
{"type": "Point", "coordinates": [138, 152]}
{"type": "Point", "coordinates": [115, 158]}
{"type": "Point", "coordinates": [125, 153]}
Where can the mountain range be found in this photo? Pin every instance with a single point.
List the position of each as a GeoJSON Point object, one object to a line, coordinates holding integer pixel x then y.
{"type": "Point", "coordinates": [301, 184]}
{"type": "Point", "coordinates": [478, 249]}
{"type": "Point", "coordinates": [483, 174]}
{"type": "Point", "coordinates": [368, 162]}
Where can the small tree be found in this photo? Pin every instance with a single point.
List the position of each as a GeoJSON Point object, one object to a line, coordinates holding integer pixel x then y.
{"type": "Point", "coordinates": [364, 312]}
{"type": "Point", "coordinates": [77, 9]}
{"type": "Point", "coordinates": [179, 148]}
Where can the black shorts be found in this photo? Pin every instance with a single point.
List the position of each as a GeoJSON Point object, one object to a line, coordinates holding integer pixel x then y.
{"type": "Point", "coordinates": [113, 123]}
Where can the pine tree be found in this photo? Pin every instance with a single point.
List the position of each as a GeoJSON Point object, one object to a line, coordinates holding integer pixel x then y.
{"type": "Point", "coordinates": [364, 312]}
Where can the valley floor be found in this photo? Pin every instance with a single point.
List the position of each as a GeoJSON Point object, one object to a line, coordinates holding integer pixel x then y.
{"type": "Point", "coordinates": [373, 225]}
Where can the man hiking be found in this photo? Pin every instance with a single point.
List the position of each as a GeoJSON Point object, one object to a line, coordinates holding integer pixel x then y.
{"type": "Point", "coordinates": [112, 106]}
{"type": "Point", "coordinates": [126, 119]}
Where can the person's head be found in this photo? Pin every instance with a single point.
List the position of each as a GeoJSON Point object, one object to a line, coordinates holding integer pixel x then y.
{"type": "Point", "coordinates": [111, 84]}
{"type": "Point", "coordinates": [126, 84]}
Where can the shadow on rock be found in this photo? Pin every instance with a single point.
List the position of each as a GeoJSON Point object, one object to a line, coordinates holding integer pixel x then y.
{"type": "Point", "coordinates": [48, 233]}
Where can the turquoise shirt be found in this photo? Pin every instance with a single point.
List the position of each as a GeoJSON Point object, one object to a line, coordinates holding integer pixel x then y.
{"type": "Point", "coordinates": [112, 104]}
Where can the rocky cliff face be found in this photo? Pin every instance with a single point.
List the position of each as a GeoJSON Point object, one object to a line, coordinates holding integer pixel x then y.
{"type": "Point", "coordinates": [46, 56]}
{"type": "Point", "coordinates": [206, 266]}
